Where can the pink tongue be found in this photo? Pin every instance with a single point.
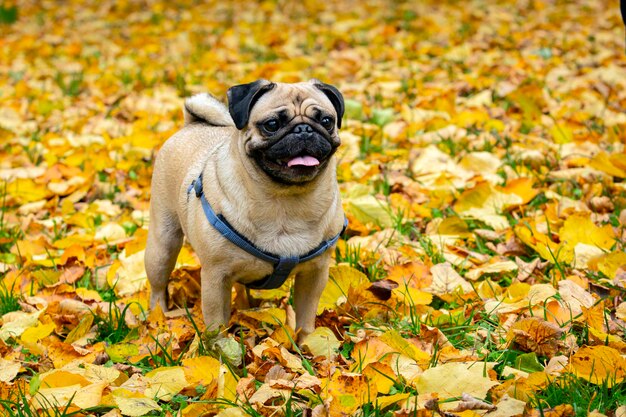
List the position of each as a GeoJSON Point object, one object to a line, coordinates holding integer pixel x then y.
{"type": "Point", "coordinates": [306, 160]}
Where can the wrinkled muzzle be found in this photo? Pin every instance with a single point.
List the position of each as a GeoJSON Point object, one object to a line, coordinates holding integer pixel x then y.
{"type": "Point", "coordinates": [297, 157]}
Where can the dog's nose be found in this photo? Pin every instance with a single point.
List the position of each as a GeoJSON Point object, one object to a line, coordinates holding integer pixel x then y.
{"type": "Point", "coordinates": [303, 128]}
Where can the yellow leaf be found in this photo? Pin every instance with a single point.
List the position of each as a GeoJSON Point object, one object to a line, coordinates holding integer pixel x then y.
{"type": "Point", "coordinates": [382, 375]}
{"type": "Point", "coordinates": [165, 382]}
{"type": "Point", "coordinates": [133, 404]}
{"type": "Point", "coordinates": [38, 332]}
{"type": "Point", "coordinates": [598, 337]}
{"type": "Point", "coordinates": [561, 134]}
{"type": "Point", "coordinates": [508, 407]}
{"type": "Point", "coordinates": [494, 124]}
{"type": "Point", "coordinates": [604, 163]}
{"type": "Point", "coordinates": [368, 209]}
{"type": "Point", "coordinates": [470, 118]}
{"type": "Point", "coordinates": [186, 258]}
{"type": "Point", "coordinates": [414, 274]}
{"type": "Point", "coordinates": [485, 203]}
{"type": "Point", "coordinates": [521, 187]}
{"type": "Point", "coordinates": [16, 322]}
{"type": "Point", "coordinates": [578, 228]}
{"type": "Point", "coordinates": [369, 351]}
{"type": "Point", "coordinates": [454, 226]}
{"type": "Point", "coordinates": [599, 365]}
{"type": "Point", "coordinates": [322, 342]}
{"type": "Point", "coordinates": [202, 370]}
{"type": "Point", "coordinates": [84, 325]}
{"type": "Point", "coordinates": [28, 190]}
{"type": "Point", "coordinates": [61, 378]}
{"type": "Point", "coordinates": [227, 385]}
{"type": "Point", "coordinates": [110, 232]}
{"type": "Point", "coordinates": [412, 296]}
{"type": "Point", "coordinates": [455, 378]}
{"type": "Point", "coordinates": [81, 396]}
{"type": "Point", "coordinates": [341, 279]}
{"type": "Point", "coordinates": [394, 340]}
{"type": "Point", "coordinates": [100, 373]}
{"type": "Point", "coordinates": [517, 291]}
{"type": "Point", "coordinates": [130, 275]}
{"type": "Point", "coordinates": [348, 393]}
{"type": "Point", "coordinates": [527, 232]}
{"type": "Point", "coordinates": [88, 295]}
{"type": "Point", "coordinates": [122, 351]}
{"type": "Point", "coordinates": [384, 402]}
{"type": "Point", "coordinates": [273, 315]}
{"type": "Point", "coordinates": [481, 163]}
{"type": "Point", "coordinates": [609, 263]}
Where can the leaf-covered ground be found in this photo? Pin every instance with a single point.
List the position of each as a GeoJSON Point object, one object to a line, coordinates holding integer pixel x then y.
{"type": "Point", "coordinates": [482, 170]}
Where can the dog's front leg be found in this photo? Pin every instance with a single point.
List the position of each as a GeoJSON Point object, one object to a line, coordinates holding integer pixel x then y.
{"type": "Point", "coordinates": [307, 292]}
{"type": "Point", "coordinates": [216, 295]}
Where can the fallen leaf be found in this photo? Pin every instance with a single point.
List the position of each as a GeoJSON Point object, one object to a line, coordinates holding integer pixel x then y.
{"type": "Point", "coordinates": [341, 279]}
{"type": "Point", "coordinates": [321, 342]}
{"type": "Point", "coordinates": [133, 404]}
{"type": "Point", "coordinates": [455, 378]}
{"type": "Point", "coordinates": [8, 370]}
{"type": "Point", "coordinates": [599, 365]}
{"type": "Point", "coordinates": [536, 335]}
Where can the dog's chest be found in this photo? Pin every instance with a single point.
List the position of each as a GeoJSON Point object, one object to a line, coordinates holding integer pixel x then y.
{"type": "Point", "coordinates": [287, 237]}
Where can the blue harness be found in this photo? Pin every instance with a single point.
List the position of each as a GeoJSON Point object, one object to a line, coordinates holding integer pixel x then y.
{"type": "Point", "coordinates": [282, 265]}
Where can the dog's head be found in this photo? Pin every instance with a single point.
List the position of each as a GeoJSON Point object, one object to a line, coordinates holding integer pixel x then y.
{"type": "Point", "coordinates": [289, 130]}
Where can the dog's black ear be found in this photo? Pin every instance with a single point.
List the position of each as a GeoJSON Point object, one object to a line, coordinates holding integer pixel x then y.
{"type": "Point", "coordinates": [334, 96]}
{"type": "Point", "coordinates": [242, 97]}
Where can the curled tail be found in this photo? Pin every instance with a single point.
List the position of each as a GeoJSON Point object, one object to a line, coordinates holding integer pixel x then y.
{"type": "Point", "coordinates": [204, 108]}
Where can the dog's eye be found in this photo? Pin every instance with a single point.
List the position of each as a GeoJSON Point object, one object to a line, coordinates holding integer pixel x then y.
{"type": "Point", "coordinates": [271, 125]}
{"type": "Point", "coordinates": [327, 122]}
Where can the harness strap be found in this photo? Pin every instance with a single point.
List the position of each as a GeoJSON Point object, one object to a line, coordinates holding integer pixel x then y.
{"type": "Point", "coordinates": [282, 265]}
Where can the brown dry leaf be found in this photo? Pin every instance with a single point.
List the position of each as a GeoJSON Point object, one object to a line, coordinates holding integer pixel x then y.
{"type": "Point", "coordinates": [536, 335]}
{"type": "Point", "coordinates": [470, 403]}
{"type": "Point", "coordinates": [563, 410]}
{"type": "Point", "coordinates": [495, 266]}
{"type": "Point", "coordinates": [445, 280]}
{"type": "Point", "coordinates": [383, 289]}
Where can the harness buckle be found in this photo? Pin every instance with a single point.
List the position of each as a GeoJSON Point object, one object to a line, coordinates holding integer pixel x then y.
{"type": "Point", "coordinates": [282, 270]}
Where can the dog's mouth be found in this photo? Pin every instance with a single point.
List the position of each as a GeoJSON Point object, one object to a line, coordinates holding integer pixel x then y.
{"type": "Point", "coordinates": [294, 159]}
{"type": "Point", "coordinates": [306, 160]}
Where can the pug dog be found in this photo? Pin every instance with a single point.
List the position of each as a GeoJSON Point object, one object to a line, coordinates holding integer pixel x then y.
{"type": "Point", "coordinates": [253, 188]}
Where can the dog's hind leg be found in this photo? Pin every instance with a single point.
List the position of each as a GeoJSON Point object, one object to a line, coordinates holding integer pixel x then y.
{"type": "Point", "coordinates": [165, 238]}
